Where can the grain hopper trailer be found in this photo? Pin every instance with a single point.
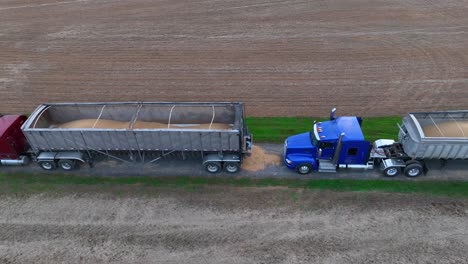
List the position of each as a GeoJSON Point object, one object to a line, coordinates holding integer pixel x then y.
{"type": "Point", "coordinates": [66, 134]}
{"type": "Point", "coordinates": [426, 136]}
{"type": "Point", "coordinates": [340, 143]}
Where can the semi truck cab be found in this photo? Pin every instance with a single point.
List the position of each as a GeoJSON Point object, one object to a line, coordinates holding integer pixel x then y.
{"type": "Point", "coordinates": [333, 143]}
{"type": "Point", "coordinates": [13, 144]}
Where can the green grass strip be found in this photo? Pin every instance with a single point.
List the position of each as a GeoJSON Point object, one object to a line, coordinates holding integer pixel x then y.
{"type": "Point", "coordinates": [52, 182]}
{"type": "Point", "coordinates": [277, 129]}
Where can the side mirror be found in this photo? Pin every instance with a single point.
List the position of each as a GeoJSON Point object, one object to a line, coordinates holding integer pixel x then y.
{"type": "Point", "coordinates": [248, 143]}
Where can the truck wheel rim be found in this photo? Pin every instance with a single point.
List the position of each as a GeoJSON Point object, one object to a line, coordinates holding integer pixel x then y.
{"type": "Point", "coordinates": [47, 165]}
{"type": "Point", "coordinates": [392, 171]}
{"type": "Point", "coordinates": [212, 168]}
{"type": "Point", "coordinates": [66, 166]}
{"type": "Point", "coordinates": [231, 168]}
{"type": "Point", "coordinates": [413, 172]}
{"type": "Point", "coordinates": [304, 169]}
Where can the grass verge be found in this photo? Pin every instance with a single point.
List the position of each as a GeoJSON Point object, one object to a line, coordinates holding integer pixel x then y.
{"type": "Point", "coordinates": [276, 129]}
{"type": "Point", "coordinates": [32, 183]}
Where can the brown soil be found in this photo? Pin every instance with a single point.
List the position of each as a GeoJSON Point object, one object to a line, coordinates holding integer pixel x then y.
{"type": "Point", "coordinates": [260, 159]}
{"type": "Point", "coordinates": [282, 58]}
{"type": "Point", "coordinates": [131, 224]}
{"type": "Point", "coordinates": [103, 123]}
{"type": "Point", "coordinates": [447, 129]}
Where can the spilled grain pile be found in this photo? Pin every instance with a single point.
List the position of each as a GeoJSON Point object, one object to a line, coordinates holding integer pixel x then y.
{"type": "Point", "coordinates": [447, 129]}
{"type": "Point", "coordinates": [111, 124]}
{"type": "Point", "coordinates": [259, 160]}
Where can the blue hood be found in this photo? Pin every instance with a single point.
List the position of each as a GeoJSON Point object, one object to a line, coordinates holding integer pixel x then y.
{"type": "Point", "coordinates": [299, 141]}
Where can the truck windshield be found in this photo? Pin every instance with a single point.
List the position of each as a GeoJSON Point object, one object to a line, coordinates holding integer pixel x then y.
{"type": "Point", "coordinates": [313, 139]}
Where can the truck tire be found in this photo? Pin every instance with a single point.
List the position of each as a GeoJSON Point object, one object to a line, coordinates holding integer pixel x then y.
{"type": "Point", "coordinates": [67, 165]}
{"type": "Point", "coordinates": [304, 168]}
{"type": "Point", "coordinates": [391, 171]}
{"type": "Point", "coordinates": [411, 162]}
{"type": "Point", "coordinates": [213, 167]}
{"type": "Point", "coordinates": [413, 170]}
{"type": "Point", "coordinates": [231, 167]}
{"type": "Point", "coordinates": [47, 165]}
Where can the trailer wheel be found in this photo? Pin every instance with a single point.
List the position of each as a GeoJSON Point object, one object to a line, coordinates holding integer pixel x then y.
{"type": "Point", "coordinates": [213, 167]}
{"type": "Point", "coordinates": [47, 165]}
{"type": "Point", "coordinates": [67, 165]}
{"type": "Point", "coordinates": [413, 170]}
{"type": "Point", "coordinates": [231, 167]}
{"type": "Point", "coordinates": [391, 171]}
{"type": "Point", "coordinates": [304, 168]}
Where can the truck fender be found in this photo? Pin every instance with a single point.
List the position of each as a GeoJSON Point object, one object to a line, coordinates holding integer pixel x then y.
{"type": "Point", "coordinates": [297, 159]}
{"type": "Point", "coordinates": [76, 155]}
{"type": "Point", "coordinates": [221, 158]}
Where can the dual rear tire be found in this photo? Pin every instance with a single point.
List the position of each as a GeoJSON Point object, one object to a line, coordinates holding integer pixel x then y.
{"type": "Point", "coordinates": [412, 169]}
{"type": "Point", "coordinates": [215, 167]}
{"type": "Point", "coordinates": [49, 165]}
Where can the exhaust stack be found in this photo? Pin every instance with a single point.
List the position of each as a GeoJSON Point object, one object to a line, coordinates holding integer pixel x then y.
{"type": "Point", "coordinates": [332, 113]}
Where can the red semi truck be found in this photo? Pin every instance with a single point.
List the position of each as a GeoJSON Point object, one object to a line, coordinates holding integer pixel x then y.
{"type": "Point", "coordinates": [13, 143]}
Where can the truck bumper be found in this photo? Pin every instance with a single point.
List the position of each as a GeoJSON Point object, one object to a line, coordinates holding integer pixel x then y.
{"type": "Point", "coordinates": [290, 165]}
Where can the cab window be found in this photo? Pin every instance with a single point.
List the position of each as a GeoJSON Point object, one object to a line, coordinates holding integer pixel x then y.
{"type": "Point", "coordinates": [352, 151]}
{"type": "Point", "coordinates": [325, 145]}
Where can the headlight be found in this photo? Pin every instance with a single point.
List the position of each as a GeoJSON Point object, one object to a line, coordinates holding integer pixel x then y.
{"type": "Point", "coordinates": [288, 161]}
{"type": "Point", "coordinates": [285, 147]}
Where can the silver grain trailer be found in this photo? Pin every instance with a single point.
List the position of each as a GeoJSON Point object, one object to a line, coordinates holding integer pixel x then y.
{"type": "Point", "coordinates": [63, 134]}
{"type": "Point", "coordinates": [423, 136]}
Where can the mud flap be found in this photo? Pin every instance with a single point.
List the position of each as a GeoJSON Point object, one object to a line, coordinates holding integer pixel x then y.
{"type": "Point", "coordinates": [425, 169]}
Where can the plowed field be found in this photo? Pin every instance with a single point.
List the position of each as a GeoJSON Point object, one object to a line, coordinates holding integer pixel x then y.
{"type": "Point", "coordinates": [282, 58]}
{"type": "Point", "coordinates": [130, 224]}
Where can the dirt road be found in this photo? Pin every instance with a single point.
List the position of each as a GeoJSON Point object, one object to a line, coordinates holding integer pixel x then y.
{"type": "Point", "coordinates": [282, 58]}
{"type": "Point", "coordinates": [231, 225]}
{"type": "Point", "coordinates": [268, 168]}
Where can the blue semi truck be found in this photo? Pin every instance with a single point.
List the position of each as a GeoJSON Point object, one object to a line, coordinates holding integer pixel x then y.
{"type": "Point", "coordinates": [340, 143]}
